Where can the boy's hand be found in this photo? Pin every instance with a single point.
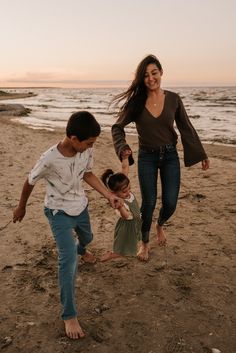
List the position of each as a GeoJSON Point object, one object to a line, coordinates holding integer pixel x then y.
{"type": "Point", "coordinates": [18, 214]}
{"type": "Point", "coordinates": [115, 201]}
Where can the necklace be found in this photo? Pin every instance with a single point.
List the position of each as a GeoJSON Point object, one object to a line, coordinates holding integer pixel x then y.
{"type": "Point", "coordinates": [158, 99]}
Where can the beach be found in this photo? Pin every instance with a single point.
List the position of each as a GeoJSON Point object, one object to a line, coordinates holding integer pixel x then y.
{"type": "Point", "coordinates": [181, 300]}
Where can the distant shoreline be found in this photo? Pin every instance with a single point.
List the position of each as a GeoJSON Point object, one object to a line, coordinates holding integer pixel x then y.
{"type": "Point", "coordinates": [8, 95]}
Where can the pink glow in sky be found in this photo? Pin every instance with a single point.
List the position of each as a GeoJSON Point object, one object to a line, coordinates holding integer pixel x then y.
{"type": "Point", "coordinates": [66, 42]}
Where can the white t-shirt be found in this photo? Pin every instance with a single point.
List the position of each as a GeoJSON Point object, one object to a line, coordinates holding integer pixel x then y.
{"type": "Point", "coordinates": [63, 176]}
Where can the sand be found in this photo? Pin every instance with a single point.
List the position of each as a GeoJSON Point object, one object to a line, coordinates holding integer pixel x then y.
{"type": "Point", "coordinates": [182, 300]}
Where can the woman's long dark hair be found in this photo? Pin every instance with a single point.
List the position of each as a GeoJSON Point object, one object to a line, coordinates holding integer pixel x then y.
{"type": "Point", "coordinates": [135, 96]}
{"type": "Point", "coordinates": [115, 181]}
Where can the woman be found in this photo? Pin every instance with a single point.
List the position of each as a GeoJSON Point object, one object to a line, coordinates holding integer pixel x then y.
{"type": "Point", "coordinates": [154, 111]}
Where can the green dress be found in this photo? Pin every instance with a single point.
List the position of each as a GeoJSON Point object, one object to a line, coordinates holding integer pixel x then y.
{"type": "Point", "coordinates": [128, 231]}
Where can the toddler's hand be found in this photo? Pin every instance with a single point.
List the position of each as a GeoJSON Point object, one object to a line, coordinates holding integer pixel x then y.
{"type": "Point", "coordinates": [115, 201]}
{"type": "Point", "coordinates": [119, 203]}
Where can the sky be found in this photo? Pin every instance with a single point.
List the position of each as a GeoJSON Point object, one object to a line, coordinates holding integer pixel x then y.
{"type": "Point", "coordinates": [69, 42]}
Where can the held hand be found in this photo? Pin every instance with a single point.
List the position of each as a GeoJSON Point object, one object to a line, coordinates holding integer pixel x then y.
{"type": "Point", "coordinates": [115, 201]}
{"type": "Point", "coordinates": [18, 214]}
{"type": "Point", "coordinates": [205, 164]}
{"type": "Point", "coordinates": [126, 153]}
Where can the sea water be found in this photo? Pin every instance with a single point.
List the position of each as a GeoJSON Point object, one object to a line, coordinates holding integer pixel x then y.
{"type": "Point", "coordinates": [212, 110]}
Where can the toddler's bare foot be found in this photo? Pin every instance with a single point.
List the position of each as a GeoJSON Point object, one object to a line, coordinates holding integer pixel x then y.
{"type": "Point", "coordinates": [143, 253]}
{"type": "Point", "coordinates": [73, 329]}
{"type": "Point", "coordinates": [88, 257]}
{"type": "Point", "coordinates": [109, 255]}
{"type": "Point", "coordinates": [161, 238]}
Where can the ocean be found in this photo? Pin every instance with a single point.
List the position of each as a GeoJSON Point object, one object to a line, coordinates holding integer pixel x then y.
{"type": "Point", "coordinates": [212, 110]}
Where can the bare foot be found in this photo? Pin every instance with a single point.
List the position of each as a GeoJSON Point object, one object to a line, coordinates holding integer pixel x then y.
{"type": "Point", "coordinates": [73, 329]}
{"type": "Point", "coordinates": [109, 255]}
{"type": "Point", "coordinates": [143, 253]}
{"type": "Point", "coordinates": [161, 238]}
{"type": "Point", "coordinates": [88, 257]}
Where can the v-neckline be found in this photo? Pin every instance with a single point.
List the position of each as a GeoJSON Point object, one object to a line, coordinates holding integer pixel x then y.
{"type": "Point", "coordinates": [158, 117]}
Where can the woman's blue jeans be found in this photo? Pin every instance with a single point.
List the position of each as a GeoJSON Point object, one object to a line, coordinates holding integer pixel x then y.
{"type": "Point", "coordinates": [72, 234]}
{"type": "Point", "coordinates": [165, 159]}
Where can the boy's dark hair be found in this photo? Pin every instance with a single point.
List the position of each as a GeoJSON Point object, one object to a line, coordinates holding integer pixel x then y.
{"type": "Point", "coordinates": [115, 181]}
{"type": "Point", "coordinates": [83, 125]}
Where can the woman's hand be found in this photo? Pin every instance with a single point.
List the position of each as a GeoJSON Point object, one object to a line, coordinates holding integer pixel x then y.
{"type": "Point", "coordinates": [125, 153]}
{"type": "Point", "coordinates": [205, 164]}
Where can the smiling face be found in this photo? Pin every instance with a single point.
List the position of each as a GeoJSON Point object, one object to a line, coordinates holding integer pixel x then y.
{"type": "Point", "coordinates": [152, 77]}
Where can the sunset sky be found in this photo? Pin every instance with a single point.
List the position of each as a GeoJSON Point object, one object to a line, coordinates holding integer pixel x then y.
{"type": "Point", "coordinates": [66, 42]}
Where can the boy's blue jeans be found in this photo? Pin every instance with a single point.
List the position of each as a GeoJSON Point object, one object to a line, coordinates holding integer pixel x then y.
{"type": "Point", "coordinates": [69, 245]}
{"type": "Point", "coordinates": [165, 159]}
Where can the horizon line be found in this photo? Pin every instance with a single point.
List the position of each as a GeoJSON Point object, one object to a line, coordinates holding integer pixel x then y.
{"type": "Point", "coordinates": [92, 84]}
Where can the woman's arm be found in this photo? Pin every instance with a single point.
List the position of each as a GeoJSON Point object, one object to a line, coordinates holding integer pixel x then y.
{"type": "Point", "coordinates": [193, 149]}
{"type": "Point", "coordinates": [119, 137]}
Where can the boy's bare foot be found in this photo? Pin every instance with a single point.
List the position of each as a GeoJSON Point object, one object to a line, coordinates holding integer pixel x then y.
{"type": "Point", "coordinates": [88, 257]}
{"type": "Point", "coordinates": [109, 255]}
{"type": "Point", "coordinates": [73, 329]}
{"type": "Point", "coordinates": [161, 238]}
{"type": "Point", "coordinates": [143, 253]}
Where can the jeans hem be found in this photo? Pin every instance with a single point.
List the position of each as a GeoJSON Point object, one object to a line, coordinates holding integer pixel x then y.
{"type": "Point", "coordinates": [69, 317]}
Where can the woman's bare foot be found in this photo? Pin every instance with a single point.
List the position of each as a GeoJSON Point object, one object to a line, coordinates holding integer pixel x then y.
{"type": "Point", "coordinates": [73, 329]}
{"type": "Point", "coordinates": [161, 238]}
{"type": "Point", "coordinates": [88, 257]}
{"type": "Point", "coordinates": [143, 253]}
{"type": "Point", "coordinates": [109, 255]}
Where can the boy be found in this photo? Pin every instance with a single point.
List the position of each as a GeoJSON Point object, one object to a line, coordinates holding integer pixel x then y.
{"type": "Point", "coordinates": [64, 166]}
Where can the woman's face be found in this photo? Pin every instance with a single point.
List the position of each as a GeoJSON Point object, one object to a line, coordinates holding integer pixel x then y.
{"type": "Point", "coordinates": [152, 77]}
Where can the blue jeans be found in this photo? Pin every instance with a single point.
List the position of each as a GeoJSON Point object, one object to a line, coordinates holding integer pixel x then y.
{"type": "Point", "coordinates": [165, 159]}
{"type": "Point", "coordinates": [69, 246]}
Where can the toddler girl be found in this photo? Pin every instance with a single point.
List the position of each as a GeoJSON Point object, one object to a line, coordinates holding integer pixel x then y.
{"type": "Point", "coordinates": [128, 227]}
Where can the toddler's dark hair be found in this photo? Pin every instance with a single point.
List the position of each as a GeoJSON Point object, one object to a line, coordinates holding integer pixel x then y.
{"type": "Point", "coordinates": [115, 181]}
{"type": "Point", "coordinates": [83, 125]}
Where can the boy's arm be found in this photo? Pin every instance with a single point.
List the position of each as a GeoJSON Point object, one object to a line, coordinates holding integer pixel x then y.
{"type": "Point", "coordinates": [93, 181]}
{"type": "Point", "coordinates": [19, 212]}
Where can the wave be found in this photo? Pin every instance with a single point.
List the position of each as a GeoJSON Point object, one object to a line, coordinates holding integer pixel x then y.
{"type": "Point", "coordinates": [212, 109]}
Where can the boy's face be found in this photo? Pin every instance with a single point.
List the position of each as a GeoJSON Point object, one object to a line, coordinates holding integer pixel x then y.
{"type": "Point", "coordinates": [81, 146]}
